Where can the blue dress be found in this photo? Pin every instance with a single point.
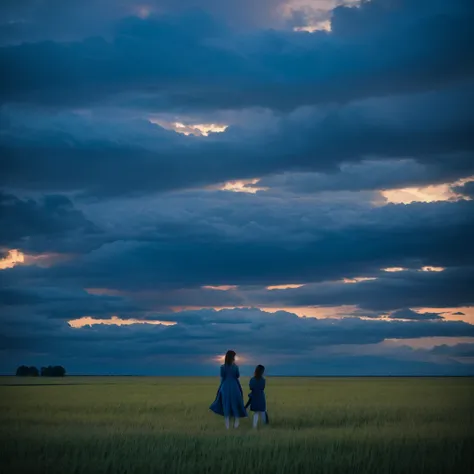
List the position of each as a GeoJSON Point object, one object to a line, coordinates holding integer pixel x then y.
{"type": "Point", "coordinates": [258, 401]}
{"type": "Point", "coordinates": [229, 400]}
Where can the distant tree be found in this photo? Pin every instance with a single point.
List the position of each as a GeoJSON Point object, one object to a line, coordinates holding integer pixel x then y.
{"type": "Point", "coordinates": [50, 371]}
{"type": "Point", "coordinates": [59, 371]}
{"type": "Point", "coordinates": [22, 371]}
{"type": "Point", "coordinates": [25, 371]}
{"type": "Point", "coordinates": [33, 371]}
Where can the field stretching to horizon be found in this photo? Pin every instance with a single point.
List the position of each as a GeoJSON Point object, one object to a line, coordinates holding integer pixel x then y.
{"type": "Point", "coordinates": [88, 425]}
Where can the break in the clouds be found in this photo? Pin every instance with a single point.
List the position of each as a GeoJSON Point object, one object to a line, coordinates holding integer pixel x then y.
{"type": "Point", "coordinates": [47, 151]}
{"type": "Point", "coordinates": [181, 178]}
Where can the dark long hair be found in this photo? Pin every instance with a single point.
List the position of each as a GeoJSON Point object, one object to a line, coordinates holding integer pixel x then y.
{"type": "Point", "coordinates": [229, 357]}
{"type": "Point", "coordinates": [259, 370]}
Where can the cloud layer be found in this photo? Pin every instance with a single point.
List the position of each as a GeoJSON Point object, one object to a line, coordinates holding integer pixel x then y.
{"type": "Point", "coordinates": [115, 208]}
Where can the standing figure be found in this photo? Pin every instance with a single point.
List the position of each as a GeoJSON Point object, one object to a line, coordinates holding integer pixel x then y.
{"type": "Point", "coordinates": [257, 400]}
{"type": "Point", "coordinates": [229, 401]}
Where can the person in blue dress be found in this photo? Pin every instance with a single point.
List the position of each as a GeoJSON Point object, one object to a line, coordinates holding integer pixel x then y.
{"type": "Point", "coordinates": [229, 401]}
{"type": "Point", "coordinates": [258, 402]}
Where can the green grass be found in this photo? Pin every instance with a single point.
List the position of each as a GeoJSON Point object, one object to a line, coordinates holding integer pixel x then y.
{"type": "Point", "coordinates": [89, 425]}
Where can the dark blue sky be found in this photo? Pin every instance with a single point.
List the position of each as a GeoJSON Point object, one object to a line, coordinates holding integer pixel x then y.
{"type": "Point", "coordinates": [179, 180]}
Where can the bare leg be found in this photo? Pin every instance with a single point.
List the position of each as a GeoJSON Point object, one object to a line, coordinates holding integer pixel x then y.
{"type": "Point", "coordinates": [236, 422]}
{"type": "Point", "coordinates": [227, 422]}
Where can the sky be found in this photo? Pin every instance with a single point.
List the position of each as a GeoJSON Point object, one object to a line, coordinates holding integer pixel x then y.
{"type": "Point", "coordinates": [290, 179]}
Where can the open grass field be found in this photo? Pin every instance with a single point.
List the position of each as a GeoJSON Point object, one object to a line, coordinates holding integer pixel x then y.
{"type": "Point", "coordinates": [88, 425]}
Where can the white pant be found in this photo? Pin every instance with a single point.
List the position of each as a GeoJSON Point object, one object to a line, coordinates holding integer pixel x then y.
{"type": "Point", "coordinates": [227, 422]}
{"type": "Point", "coordinates": [256, 414]}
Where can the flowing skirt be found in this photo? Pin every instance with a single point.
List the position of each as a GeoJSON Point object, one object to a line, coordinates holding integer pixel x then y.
{"type": "Point", "coordinates": [229, 400]}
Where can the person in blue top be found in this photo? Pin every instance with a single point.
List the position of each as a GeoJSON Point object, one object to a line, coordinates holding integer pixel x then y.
{"type": "Point", "coordinates": [258, 402]}
{"type": "Point", "coordinates": [229, 401]}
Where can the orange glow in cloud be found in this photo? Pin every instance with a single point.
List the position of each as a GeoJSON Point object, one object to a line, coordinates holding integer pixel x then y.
{"type": "Point", "coordinates": [324, 25]}
{"type": "Point", "coordinates": [325, 312]}
{"type": "Point", "coordinates": [220, 287]}
{"type": "Point", "coordinates": [308, 311]}
{"type": "Point", "coordinates": [196, 129]}
{"type": "Point", "coordinates": [283, 287]}
{"type": "Point", "coordinates": [432, 193]}
{"type": "Point", "coordinates": [464, 313]}
{"type": "Point", "coordinates": [199, 129]}
{"type": "Point", "coordinates": [432, 269]}
{"type": "Point", "coordinates": [14, 257]}
{"type": "Point", "coordinates": [312, 10]}
{"type": "Point", "coordinates": [239, 186]}
{"type": "Point", "coordinates": [205, 129]}
{"type": "Point", "coordinates": [114, 321]}
{"type": "Point", "coordinates": [422, 269]}
{"type": "Point", "coordinates": [441, 192]}
{"type": "Point", "coordinates": [337, 312]}
{"type": "Point", "coordinates": [358, 279]}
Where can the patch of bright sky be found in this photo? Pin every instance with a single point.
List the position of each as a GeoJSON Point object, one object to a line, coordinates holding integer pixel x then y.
{"type": "Point", "coordinates": [327, 312]}
{"type": "Point", "coordinates": [432, 269]}
{"type": "Point", "coordinates": [452, 314]}
{"type": "Point", "coordinates": [310, 312]}
{"type": "Point", "coordinates": [422, 269]}
{"type": "Point", "coordinates": [314, 14]}
{"type": "Point", "coordinates": [324, 25]}
{"type": "Point", "coordinates": [432, 193]}
{"type": "Point", "coordinates": [465, 313]}
{"type": "Point", "coordinates": [114, 321]}
{"type": "Point", "coordinates": [334, 312]}
{"type": "Point", "coordinates": [196, 129]}
{"type": "Point", "coordinates": [238, 186]}
{"type": "Point", "coordinates": [13, 258]}
{"type": "Point", "coordinates": [220, 287]}
{"type": "Point", "coordinates": [337, 312]}
{"type": "Point", "coordinates": [358, 279]}
{"type": "Point", "coordinates": [16, 257]}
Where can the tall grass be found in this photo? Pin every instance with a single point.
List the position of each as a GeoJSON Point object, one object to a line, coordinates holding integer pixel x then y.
{"type": "Point", "coordinates": [162, 425]}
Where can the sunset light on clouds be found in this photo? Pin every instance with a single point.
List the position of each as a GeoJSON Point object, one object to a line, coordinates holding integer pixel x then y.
{"type": "Point", "coordinates": [12, 258]}
{"type": "Point", "coordinates": [290, 179]}
{"type": "Point", "coordinates": [15, 257]}
{"type": "Point", "coordinates": [115, 321]}
{"type": "Point", "coordinates": [197, 129]}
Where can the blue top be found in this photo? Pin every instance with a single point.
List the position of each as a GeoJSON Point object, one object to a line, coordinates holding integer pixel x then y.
{"type": "Point", "coordinates": [229, 400]}
{"type": "Point", "coordinates": [257, 400]}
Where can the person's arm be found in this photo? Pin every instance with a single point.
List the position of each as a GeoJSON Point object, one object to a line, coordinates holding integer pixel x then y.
{"type": "Point", "coordinates": [222, 372]}
{"type": "Point", "coordinates": [263, 384]}
{"type": "Point", "coordinates": [237, 372]}
{"type": "Point", "coordinates": [252, 383]}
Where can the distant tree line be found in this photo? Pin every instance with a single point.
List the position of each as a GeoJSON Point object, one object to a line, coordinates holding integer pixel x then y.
{"type": "Point", "coordinates": [50, 371]}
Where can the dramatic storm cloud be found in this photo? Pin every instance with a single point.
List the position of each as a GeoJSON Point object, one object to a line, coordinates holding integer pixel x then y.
{"type": "Point", "coordinates": [292, 179]}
